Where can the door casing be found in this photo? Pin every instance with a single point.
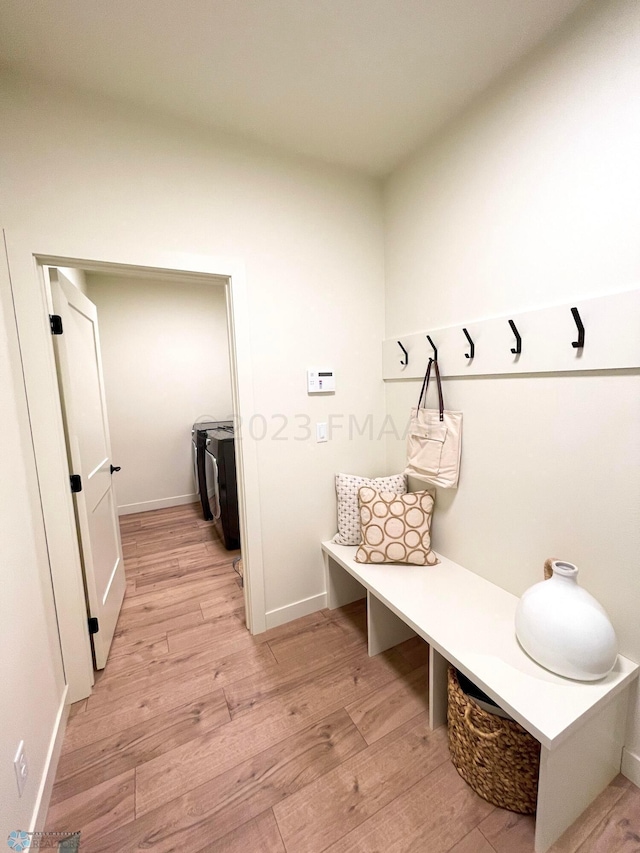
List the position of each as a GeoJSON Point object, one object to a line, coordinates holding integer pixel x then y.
{"type": "Point", "coordinates": [27, 255]}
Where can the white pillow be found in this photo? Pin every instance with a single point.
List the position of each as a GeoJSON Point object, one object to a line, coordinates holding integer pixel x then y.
{"type": "Point", "coordinates": [347, 486]}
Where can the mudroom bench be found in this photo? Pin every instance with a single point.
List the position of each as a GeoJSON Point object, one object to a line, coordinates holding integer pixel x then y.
{"type": "Point", "coordinates": [469, 622]}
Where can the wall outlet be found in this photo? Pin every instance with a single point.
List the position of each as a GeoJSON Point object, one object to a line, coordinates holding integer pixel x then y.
{"type": "Point", "coordinates": [21, 767]}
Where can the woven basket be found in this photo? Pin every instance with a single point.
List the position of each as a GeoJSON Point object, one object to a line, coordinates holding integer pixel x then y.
{"type": "Point", "coordinates": [497, 757]}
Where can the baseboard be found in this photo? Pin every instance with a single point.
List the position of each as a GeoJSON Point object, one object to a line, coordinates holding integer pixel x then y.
{"type": "Point", "coordinates": [631, 766]}
{"type": "Point", "coordinates": [162, 503]}
{"type": "Point", "coordinates": [282, 615]}
{"type": "Point", "coordinates": [43, 799]}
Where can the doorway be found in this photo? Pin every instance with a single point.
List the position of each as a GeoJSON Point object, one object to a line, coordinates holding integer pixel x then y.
{"type": "Point", "coordinates": [160, 354]}
{"type": "Point", "coordinates": [27, 256]}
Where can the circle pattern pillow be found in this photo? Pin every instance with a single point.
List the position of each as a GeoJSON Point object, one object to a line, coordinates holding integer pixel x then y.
{"type": "Point", "coordinates": [395, 528]}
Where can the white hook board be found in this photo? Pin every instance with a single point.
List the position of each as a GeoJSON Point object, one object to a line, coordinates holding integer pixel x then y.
{"type": "Point", "coordinates": [612, 341]}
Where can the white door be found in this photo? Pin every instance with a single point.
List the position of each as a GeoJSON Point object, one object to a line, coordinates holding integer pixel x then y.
{"type": "Point", "coordinates": [87, 432]}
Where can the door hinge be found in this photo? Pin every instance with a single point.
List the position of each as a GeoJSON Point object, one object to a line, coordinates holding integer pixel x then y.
{"type": "Point", "coordinates": [55, 321]}
{"type": "Point", "coordinates": [94, 627]}
{"type": "Point", "coordinates": [76, 482]}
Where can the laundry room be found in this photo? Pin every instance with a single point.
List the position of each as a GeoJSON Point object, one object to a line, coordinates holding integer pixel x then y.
{"type": "Point", "coordinates": [165, 357]}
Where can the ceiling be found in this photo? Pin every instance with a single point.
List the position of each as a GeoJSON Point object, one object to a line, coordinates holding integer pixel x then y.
{"type": "Point", "coordinates": [357, 82]}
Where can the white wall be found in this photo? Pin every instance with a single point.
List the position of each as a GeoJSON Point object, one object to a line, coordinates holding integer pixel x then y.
{"type": "Point", "coordinates": [165, 356]}
{"type": "Point", "coordinates": [30, 660]}
{"type": "Point", "coordinates": [311, 238]}
{"type": "Point", "coordinates": [532, 198]}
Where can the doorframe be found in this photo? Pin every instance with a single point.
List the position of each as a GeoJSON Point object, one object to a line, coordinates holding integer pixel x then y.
{"type": "Point", "coordinates": [27, 255]}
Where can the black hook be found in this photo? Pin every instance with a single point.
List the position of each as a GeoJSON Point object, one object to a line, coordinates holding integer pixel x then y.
{"type": "Point", "coordinates": [518, 347]}
{"type": "Point", "coordinates": [580, 342]}
{"type": "Point", "coordinates": [404, 361]}
{"type": "Point", "coordinates": [433, 347]}
{"type": "Point", "coordinates": [472, 350]}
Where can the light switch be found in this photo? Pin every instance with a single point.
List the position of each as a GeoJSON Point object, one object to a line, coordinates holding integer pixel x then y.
{"type": "Point", "coordinates": [321, 432]}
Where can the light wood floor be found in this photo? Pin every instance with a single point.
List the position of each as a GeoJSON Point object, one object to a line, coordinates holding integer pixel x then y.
{"type": "Point", "coordinates": [200, 737]}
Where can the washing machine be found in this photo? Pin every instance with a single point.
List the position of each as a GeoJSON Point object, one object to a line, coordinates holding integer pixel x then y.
{"type": "Point", "coordinates": [204, 475]}
{"type": "Point", "coordinates": [215, 474]}
{"type": "Point", "coordinates": [220, 447]}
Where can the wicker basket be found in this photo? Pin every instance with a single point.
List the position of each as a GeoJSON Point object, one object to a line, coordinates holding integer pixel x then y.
{"type": "Point", "coordinates": [497, 757]}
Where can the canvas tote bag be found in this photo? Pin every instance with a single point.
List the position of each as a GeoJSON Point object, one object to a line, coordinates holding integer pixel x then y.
{"type": "Point", "coordinates": [434, 441]}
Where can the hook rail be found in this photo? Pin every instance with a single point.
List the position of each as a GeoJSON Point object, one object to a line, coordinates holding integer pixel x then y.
{"type": "Point", "coordinates": [547, 340]}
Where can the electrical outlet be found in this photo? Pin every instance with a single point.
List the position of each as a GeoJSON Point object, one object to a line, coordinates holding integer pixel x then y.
{"type": "Point", "coordinates": [21, 767]}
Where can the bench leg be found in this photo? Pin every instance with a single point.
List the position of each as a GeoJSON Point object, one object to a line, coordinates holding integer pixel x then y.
{"type": "Point", "coordinates": [438, 668]}
{"type": "Point", "coordinates": [577, 770]}
{"type": "Point", "coordinates": [384, 628]}
{"type": "Point", "coordinates": [341, 587]}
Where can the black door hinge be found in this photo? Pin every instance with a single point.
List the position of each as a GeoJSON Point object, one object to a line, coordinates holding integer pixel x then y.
{"type": "Point", "coordinates": [93, 625]}
{"type": "Point", "coordinates": [55, 321]}
{"type": "Point", "coordinates": [76, 482]}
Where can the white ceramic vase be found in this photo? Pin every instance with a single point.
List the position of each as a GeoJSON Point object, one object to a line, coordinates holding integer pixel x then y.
{"type": "Point", "coordinates": [564, 628]}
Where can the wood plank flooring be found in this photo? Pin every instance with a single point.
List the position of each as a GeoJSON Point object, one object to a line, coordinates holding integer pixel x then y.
{"type": "Point", "coordinates": [200, 737]}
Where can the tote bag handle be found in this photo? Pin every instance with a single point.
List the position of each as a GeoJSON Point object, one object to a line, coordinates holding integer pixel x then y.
{"type": "Point", "coordinates": [425, 387]}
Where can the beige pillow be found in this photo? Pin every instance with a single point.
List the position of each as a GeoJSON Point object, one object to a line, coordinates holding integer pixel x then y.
{"type": "Point", "coordinates": [395, 528]}
{"type": "Point", "coordinates": [347, 486]}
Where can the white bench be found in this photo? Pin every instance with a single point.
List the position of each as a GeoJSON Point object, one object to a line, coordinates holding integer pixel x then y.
{"type": "Point", "coordinates": [469, 622]}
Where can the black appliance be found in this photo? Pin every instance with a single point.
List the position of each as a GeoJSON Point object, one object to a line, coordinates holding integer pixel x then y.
{"type": "Point", "coordinates": [216, 474]}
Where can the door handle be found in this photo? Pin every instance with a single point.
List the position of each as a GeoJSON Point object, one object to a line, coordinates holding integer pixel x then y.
{"type": "Point", "coordinates": [114, 468]}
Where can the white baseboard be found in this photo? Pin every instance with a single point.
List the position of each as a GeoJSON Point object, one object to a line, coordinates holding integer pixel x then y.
{"type": "Point", "coordinates": [631, 766]}
{"type": "Point", "coordinates": [43, 799]}
{"type": "Point", "coordinates": [162, 503]}
{"type": "Point", "coordinates": [282, 615]}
